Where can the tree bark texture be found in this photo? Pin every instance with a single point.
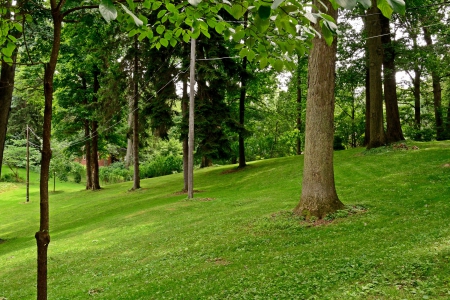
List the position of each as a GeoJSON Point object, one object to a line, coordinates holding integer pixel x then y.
{"type": "Point", "coordinates": [184, 111]}
{"type": "Point", "coordinates": [416, 86]}
{"type": "Point", "coordinates": [299, 104]}
{"type": "Point", "coordinates": [129, 154]}
{"type": "Point", "coordinates": [7, 76]}
{"type": "Point", "coordinates": [367, 112]}
{"type": "Point", "coordinates": [377, 134]}
{"type": "Point", "coordinates": [136, 177]}
{"type": "Point", "coordinates": [319, 196]}
{"type": "Point", "coordinates": [43, 235]}
{"type": "Point", "coordinates": [87, 136]}
{"type": "Point", "coordinates": [191, 122]}
{"type": "Point", "coordinates": [94, 143]}
{"type": "Point", "coordinates": [6, 91]}
{"type": "Point", "coordinates": [242, 97]}
{"type": "Point", "coordinates": [394, 131]}
{"type": "Point", "coordinates": [437, 92]}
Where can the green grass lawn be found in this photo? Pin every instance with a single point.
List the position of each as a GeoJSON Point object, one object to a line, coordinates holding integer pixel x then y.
{"type": "Point", "coordinates": [238, 239]}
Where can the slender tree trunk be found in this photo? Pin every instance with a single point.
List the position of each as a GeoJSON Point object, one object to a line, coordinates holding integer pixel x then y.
{"type": "Point", "coordinates": [43, 235]}
{"type": "Point", "coordinates": [94, 149]}
{"type": "Point", "coordinates": [319, 196]}
{"type": "Point", "coordinates": [88, 155]}
{"type": "Point", "coordinates": [353, 122]}
{"type": "Point", "coordinates": [437, 92]}
{"type": "Point", "coordinates": [136, 177]}
{"type": "Point", "coordinates": [87, 136]}
{"type": "Point", "coordinates": [242, 163]}
{"type": "Point", "coordinates": [129, 154]}
{"type": "Point", "coordinates": [191, 121]}
{"type": "Point", "coordinates": [184, 111]}
{"type": "Point", "coordinates": [6, 91]}
{"type": "Point", "coordinates": [299, 104]}
{"type": "Point", "coordinates": [242, 97]}
{"type": "Point", "coordinates": [377, 135]}
{"type": "Point", "coordinates": [417, 82]}
{"type": "Point", "coordinates": [394, 129]}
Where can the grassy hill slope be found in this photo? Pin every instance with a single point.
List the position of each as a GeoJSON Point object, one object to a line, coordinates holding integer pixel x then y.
{"type": "Point", "coordinates": [238, 239]}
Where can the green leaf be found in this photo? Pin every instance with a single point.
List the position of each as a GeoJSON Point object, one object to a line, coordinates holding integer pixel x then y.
{"type": "Point", "coordinates": [238, 10]}
{"type": "Point", "coordinates": [261, 25]}
{"type": "Point", "coordinates": [264, 12]}
{"type": "Point", "coordinates": [239, 36]}
{"type": "Point", "coordinates": [170, 7]}
{"type": "Point", "coordinates": [278, 65]}
{"type": "Point", "coordinates": [147, 4]}
{"type": "Point", "coordinates": [347, 4]}
{"type": "Point", "coordinates": [18, 27]}
{"type": "Point", "coordinates": [327, 33]}
{"type": "Point", "coordinates": [251, 54]}
{"type": "Point", "coordinates": [161, 13]}
{"type": "Point", "coordinates": [243, 53]}
{"type": "Point", "coordinates": [398, 6]}
{"type": "Point", "coordinates": [160, 29]}
{"type": "Point", "coordinates": [186, 37]}
{"type": "Point", "coordinates": [10, 49]}
{"type": "Point", "coordinates": [385, 8]}
{"type": "Point", "coordinates": [219, 28]}
{"type": "Point", "coordinates": [263, 62]}
{"type": "Point", "coordinates": [156, 5]}
{"type": "Point", "coordinates": [137, 21]}
{"type": "Point", "coordinates": [12, 38]}
{"type": "Point", "coordinates": [365, 3]}
{"type": "Point", "coordinates": [164, 42]}
{"type": "Point", "coordinates": [173, 42]}
{"type": "Point", "coordinates": [133, 32]}
{"type": "Point", "coordinates": [108, 10]}
{"type": "Point", "coordinates": [7, 59]}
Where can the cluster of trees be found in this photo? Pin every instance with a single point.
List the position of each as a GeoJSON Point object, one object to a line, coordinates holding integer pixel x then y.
{"type": "Point", "coordinates": [113, 88]}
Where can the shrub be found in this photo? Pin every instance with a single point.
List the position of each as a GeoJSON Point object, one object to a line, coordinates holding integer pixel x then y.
{"type": "Point", "coordinates": [11, 178]}
{"type": "Point", "coordinates": [161, 165]}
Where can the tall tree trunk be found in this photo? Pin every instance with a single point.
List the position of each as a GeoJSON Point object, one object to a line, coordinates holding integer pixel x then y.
{"type": "Point", "coordinates": [416, 83]}
{"type": "Point", "coordinates": [94, 149]}
{"type": "Point", "coordinates": [184, 111]}
{"type": "Point", "coordinates": [367, 113]}
{"type": "Point", "coordinates": [43, 235]}
{"type": "Point", "coordinates": [299, 104]}
{"type": "Point", "coordinates": [319, 196]}
{"type": "Point", "coordinates": [242, 97]}
{"type": "Point", "coordinates": [136, 177]}
{"type": "Point", "coordinates": [129, 154]}
{"type": "Point", "coordinates": [6, 91]}
{"type": "Point", "coordinates": [437, 92]}
{"type": "Point", "coordinates": [87, 136]}
{"type": "Point", "coordinates": [242, 163]}
{"type": "Point", "coordinates": [394, 130]}
{"type": "Point", "coordinates": [377, 135]}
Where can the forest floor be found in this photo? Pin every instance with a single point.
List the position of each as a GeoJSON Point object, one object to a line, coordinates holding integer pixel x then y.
{"type": "Point", "coordinates": [238, 238]}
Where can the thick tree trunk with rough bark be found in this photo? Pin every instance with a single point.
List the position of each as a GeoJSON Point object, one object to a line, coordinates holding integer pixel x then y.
{"type": "Point", "coordinates": [367, 113]}
{"type": "Point", "coordinates": [437, 92]}
{"type": "Point", "coordinates": [94, 144]}
{"type": "Point", "coordinates": [184, 111]}
{"type": "Point", "coordinates": [299, 104]}
{"type": "Point", "coordinates": [6, 91]}
{"type": "Point", "coordinates": [319, 196]}
{"type": "Point", "coordinates": [242, 162]}
{"type": "Point", "coordinates": [136, 177]}
{"type": "Point", "coordinates": [394, 131]}
{"type": "Point", "coordinates": [7, 75]}
{"type": "Point", "coordinates": [377, 134]}
{"type": "Point", "coordinates": [43, 235]}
